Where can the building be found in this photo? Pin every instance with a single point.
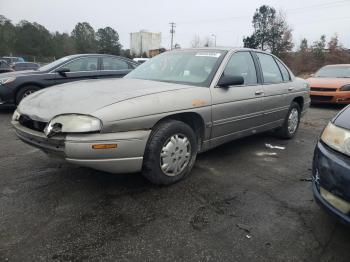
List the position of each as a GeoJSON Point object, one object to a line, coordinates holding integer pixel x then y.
{"type": "Point", "coordinates": [143, 41]}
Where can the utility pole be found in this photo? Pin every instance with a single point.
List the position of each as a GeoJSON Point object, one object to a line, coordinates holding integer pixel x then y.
{"type": "Point", "coordinates": [172, 31]}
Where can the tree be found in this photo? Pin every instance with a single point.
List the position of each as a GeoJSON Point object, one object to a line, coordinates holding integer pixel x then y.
{"type": "Point", "coordinates": [108, 41]}
{"type": "Point", "coordinates": [271, 32]}
{"type": "Point", "coordinates": [304, 47]}
{"type": "Point", "coordinates": [32, 39]}
{"type": "Point", "coordinates": [318, 49]}
{"type": "Point", "coordinates": [7, 35]}
{"type": "Point", "coordinates": [250, 42]}
{"type": "Point", "coordinates": [84, 38]}
{"type": "Point", "coordinates": [196, 41]}
{"type": "Point", "coordinates": [63, 45]}
{"type": "Point", "coordinates": [177, 46]}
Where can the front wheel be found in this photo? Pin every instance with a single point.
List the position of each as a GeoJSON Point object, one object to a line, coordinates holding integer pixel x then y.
{"type": "Point", "coordinates": [291, 123]}
{"type": "Point", "coordinates": [25, 91]}
{"type": "Point", "coordinates": [170, 153]}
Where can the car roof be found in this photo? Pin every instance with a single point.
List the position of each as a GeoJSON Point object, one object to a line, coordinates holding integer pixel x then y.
{"type": "Point", "coordinates": [94, 54]}
{"type": "Point", "coordinates": [224, 48]}
{"type": "Point", "coordinates": [338, 65]}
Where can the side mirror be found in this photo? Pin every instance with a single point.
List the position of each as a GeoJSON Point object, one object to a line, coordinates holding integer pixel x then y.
{"type": "Point", "coordinates": [63, 71]}
{"type": "Point", "coordinates": [230, 80]}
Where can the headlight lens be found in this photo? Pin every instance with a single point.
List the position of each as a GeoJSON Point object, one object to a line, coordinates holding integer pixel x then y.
{"type": "Point", "coordinates": [337, 138]}
{"type": "Point", "coordinates": [345, 88]}
{"type": "Point", "coordinates": [73, 123]}
{"type": "Point", "coordinates": [7, 80]}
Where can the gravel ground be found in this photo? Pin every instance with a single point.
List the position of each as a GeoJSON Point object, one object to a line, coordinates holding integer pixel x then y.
{"type": "Point", "coordinates": [240, 203]}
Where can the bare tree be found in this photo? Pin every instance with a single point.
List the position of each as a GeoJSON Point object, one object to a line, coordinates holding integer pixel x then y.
{"type": "Point", "coordinates": [196, 41]}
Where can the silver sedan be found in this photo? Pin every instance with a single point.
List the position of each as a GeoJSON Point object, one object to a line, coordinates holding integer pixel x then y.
{"type": "Point", "coordinates": [158, 117]}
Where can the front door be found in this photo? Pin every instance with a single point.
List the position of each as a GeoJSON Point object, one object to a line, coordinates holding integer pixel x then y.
{"type": "Point", "coordinates": [237, 110]}
{"type": "Point", "coordinates": [79, 69]}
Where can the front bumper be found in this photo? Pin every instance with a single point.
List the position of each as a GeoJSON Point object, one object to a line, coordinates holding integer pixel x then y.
{"type": "Point", "coordinates": [6, 96]}
{"type": "Point", "coordinates": [336, 97]}
{"type": "Point", "coordinates": [331, 172]}
{"type": "Point", "coordinates": [77, 148]}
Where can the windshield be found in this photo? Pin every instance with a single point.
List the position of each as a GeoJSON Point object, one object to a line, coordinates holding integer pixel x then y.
{"type": "Point", "coordinates": [53, 64]}
{"type": "Point", "coordinates": [184, 67]}
{"type": "Point", "coordinates": [334, 71]}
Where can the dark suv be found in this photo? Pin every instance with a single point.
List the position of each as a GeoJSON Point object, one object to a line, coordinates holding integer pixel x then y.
{"type": "Point", "coordinates": [15, 86]}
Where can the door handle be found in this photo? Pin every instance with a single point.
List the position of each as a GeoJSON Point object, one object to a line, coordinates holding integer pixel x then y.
{"type": "Point", "coordinates": [290, 88]}
{"type": "Point", "coordinates": [259, 92]}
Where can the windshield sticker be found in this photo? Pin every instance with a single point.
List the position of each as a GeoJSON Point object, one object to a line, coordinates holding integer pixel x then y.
{"type": "Point", "coordinates": [209, 54]}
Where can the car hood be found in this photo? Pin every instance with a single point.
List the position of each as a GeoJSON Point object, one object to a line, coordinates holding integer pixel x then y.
{"type": "Point", "coordinates": [328, 82]}
{"type": "Point", "coordinates": [20, 73]}
{"type": "Point", "coordinates": [86, 97]}
{"type": "Point", "coordinates": [342, 119]}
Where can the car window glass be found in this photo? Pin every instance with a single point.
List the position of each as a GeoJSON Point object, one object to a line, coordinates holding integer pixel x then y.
{"type": "Point", "coordinates": [111, 63]}
{"type": "Point", "coordinates": [241, 64]}
{"type": "Point", "coordinates": [82, 64]}
{"type": "Point", "coordinates": [270, 70]}
{"type": "Point", "coordinates": [285, 73]}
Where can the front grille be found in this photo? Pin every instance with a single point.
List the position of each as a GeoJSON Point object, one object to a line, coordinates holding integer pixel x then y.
{"type": "Point", "coordinates": [32, 124]}
{"type": "Point", "coordinates": [321, 98]}
{"type": "Point", "coordinates": [323, 89]}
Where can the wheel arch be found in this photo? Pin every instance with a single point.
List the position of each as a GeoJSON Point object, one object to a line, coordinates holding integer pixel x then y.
{"type": "Point", "coordinates": [194, 120]}
{"type": "Point", "coordinates": [19, 88]}
{"type": "Point", "coordinates": [300, 101]}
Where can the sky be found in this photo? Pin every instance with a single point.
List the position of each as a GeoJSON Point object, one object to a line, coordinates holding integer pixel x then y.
{"type": "Point", "coordinates": [229, 20]}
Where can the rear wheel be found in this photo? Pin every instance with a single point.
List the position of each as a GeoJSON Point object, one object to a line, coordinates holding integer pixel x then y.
{"type": "Point", "coordinates": [291, 123]}
{"type": "Point", "coordinates": [25, 91]}
{"type": "Point", "coordinates": [170, 153]}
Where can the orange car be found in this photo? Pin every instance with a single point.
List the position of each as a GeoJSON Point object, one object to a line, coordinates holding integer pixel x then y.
{"type": "Point", "coordinates": [331, 84]}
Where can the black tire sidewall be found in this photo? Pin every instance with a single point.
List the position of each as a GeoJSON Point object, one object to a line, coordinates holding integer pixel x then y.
{"type": "Point", "coordinates": [161, 133]}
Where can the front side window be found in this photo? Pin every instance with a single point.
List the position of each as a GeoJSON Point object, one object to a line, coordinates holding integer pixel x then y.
{"type": "Point", "coordinates": [112, 63]}
{"type": "Point", "coordinates": [284, 71]}
{"type": "Point", "coordinates": [242, 64]}
{"type": "Point", "coordinates": [82, 64]}
{"type": "Point", "coordinates": [184, 67]}
{"type": "Point", "coordinates": [270, 70]}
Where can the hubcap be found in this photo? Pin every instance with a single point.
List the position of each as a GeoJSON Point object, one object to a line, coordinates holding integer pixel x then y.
{"type": "Point", "coordinates": [175, 155]}
{"type": "Point", "coordinates": [27, 93]}
{"type": "Point", "coordinates": [293, 120]}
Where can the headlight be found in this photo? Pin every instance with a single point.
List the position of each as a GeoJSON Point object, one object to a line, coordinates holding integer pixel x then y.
{"type": "Point", "coordinates": [15, 116]}
{"type": "Point", "coordinates": [7, 80]}
{"type": "Point", "coordinates": [73, 124]}
{"type": "Point", "coordinates": [345, 88]}
{"type": "Point", "coordinates": [337, 138]}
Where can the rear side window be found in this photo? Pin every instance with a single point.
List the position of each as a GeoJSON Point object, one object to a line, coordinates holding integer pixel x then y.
{"type": "Point", "coordinates": [111, 63]}
{"type": "Point", "coordinates": [270, 70]}
{"type": "Point", "coordinates": [241, 64]}
{"type": "Point", "coordinates": [284, 71]}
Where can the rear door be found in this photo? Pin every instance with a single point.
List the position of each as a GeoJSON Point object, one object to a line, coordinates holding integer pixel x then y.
{"type": "Point", "coordinates": [79, 69]}
{"type": "Point", "coordinates": [114, 67]}
{"type": "Point", "coordinates": [275, 105]}
{"type": "Point", "coordinates": [237, 110]}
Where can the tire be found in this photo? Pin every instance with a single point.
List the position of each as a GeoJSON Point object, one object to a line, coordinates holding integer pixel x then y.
{"type": "Point", "coordinates": [168, 158]}
{"type": "Point", "coordinates": [291, 123]}
{"type": "Point", "coordinates": [25, 91]}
